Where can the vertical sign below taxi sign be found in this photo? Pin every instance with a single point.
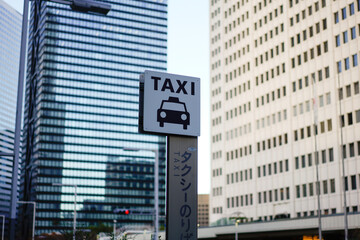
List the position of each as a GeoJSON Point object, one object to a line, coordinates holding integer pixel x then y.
{"type": "Point", "coordinates": [181, 214]}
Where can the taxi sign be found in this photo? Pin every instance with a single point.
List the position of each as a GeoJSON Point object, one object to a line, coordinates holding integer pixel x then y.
{"type": "Point", "coordinates": [169, 104]}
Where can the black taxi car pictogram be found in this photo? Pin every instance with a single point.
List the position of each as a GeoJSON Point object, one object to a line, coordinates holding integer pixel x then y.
{"type": "Point", "coordinates": [173, 111]}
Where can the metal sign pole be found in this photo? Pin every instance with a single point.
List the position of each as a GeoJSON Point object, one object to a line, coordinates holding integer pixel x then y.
{"type": "Point", "coordinates": [181, 199]}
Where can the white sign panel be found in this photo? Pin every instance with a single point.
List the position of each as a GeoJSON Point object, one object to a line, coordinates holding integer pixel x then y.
{"type": "Point", "coordinates": [171, 104]}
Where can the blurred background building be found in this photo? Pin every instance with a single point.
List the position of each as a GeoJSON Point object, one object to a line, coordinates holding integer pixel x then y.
{"type": "Point", "coordinates": [82, 111]}
{"type": "Point", "coordinates": [203, 210]}
{"type": "Point", "coordinates": [278, 68]}
{"type": "Point", "coordinates": [10, 30]}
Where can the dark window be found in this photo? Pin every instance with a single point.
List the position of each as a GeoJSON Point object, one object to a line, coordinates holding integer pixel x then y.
{"type": "Point", "coordinates": [353, 32]}
{"type": "Point", "coordinates": [297, 191]}
{"type": "Point", "coordinates": [342, 121]}
{"type": "Point", "coordinates": [357, 113]}
{"type": "Point", "coordinates": [305, 57]}
{"type": "Point", "coordinates": [270, 196]}
{"type": "Point", "coordinates": [350, 119]}
{"type": "Point", "coordinates": [287, 193]}
{"type": "Point", "coordinates": [318, 47]}
{"type": "Point", "coordinates": [259, 197]}
{"type": "Point", "coordinates": [281, 194]}
{"type": "Point", "coordinates": [341, 95]}
{"type": "Point", "coordinates": [329, 122]}
{"type": "Point", "coordinates": [311, 189]}
{"type": "Point", "coordinates": [351, 150]}
{"type": "Point", "coordinates": [303, 161]}
{"type": "Point", "coordinates": [317, 26]}
{"type": "Point", "coordinates": [312, 53]}
{"type": "Point", "coordinates": [327, 72]}
{"type": "Point", "coordinates": [316, 6]}
{"type": "Point", "coordinates": [325, 187]}
{"type": "Point", "coordinates": [355, 62]}
{"type": "Point", "coordinates": [264, 194]}
{"type": "Point", "coordinates": [332, 185]}
{"type": "Point", "coordinates": [275, 168]}
{"type": "Point", "coordinates": [304, 190]}
{"type": "Point", "coordinates": [337, 40]}
{"type": "Point", "coordinates": [324, 24]}
{"type": "Point", "coordinates": [323, 156]}
{"type": "Point", "coordinates": [339, 67]}
{"type": "Point", "coordinates": [336, 17]}
{"type": "Point", "coordinates": [346, 183]}
{"type": "Point", "coordinates": [323, 3]}
{"type": "Point", "coordinates": [331, 154]}
{"type": "Point", "coordinates": [353, 182]}
{"type": "Point", "coordinates": [320, 75]}
{"type": "Point", "coordinates": [296, 162]}
{"type": "Point", "coordinates": [326, 46]}
{"type": "Point", "coordinates": [343, 13]}
{"type": "Point", "coordinates": [352, 9]}
{"type": "Point", "coordinates": [269, 169]}
{"type": "Point", "coordinates": [264, 170]}
{"type": "Point", "coordinates": [345, 37]}
{"type": "Point", "coordinates": [308, 129]}
{"type": "Point", "coordinates": [309, 159]}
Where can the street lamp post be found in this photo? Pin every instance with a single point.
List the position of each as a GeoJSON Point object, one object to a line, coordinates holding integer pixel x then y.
{"type": "Point", "coordinates": [114, 230]}
{"type": "Point", "coordinates": [3, 226]}
{"type": "Point", "coordinates": [34, 214]}
{"type": "Point", "coordinates": [239, 216]}
{"type": "Point", "coordinates": [156, 186]}
{"type": "Point", "coordinates": [236, 231]}
{"type": "Point", "coordinates": [75, 196]}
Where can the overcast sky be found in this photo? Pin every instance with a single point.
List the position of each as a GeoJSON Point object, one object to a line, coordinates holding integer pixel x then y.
{"type": "Point", "coordinates": [188, 54]}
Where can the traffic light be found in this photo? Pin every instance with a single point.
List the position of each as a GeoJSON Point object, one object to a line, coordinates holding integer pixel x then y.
{"type": "Point", "coordinates": [122, 211]}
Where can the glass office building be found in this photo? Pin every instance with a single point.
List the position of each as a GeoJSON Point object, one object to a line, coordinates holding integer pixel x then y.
{"type": "Point", "coordinates": [10, 34]}
{"type": "Point", "coordinates": [81, 114]}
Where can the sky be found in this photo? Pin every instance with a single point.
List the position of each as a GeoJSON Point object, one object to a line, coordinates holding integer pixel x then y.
{"type": "Point", "coordinates": [188, 54]}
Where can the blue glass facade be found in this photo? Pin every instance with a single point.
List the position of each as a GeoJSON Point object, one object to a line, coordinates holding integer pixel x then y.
{"type": "Point", "coordinates": [10, 34]}
{"type": "Point", "coordinates": [82, 111]}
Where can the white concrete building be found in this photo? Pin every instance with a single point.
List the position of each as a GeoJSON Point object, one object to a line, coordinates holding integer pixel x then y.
{"type": "Point", "coordinates": [277, 67]}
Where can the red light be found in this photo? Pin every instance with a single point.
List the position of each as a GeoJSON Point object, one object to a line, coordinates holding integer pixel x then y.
{"type": "Point", "coordinates": [127, 212]}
